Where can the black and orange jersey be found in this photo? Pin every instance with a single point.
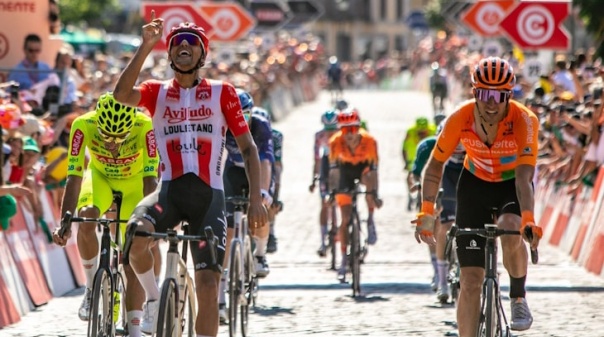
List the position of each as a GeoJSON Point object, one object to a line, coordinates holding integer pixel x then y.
{"type": "Point", "coordinates": [515, 143]}
{"type": "Point", "coordinates": [365, 153]}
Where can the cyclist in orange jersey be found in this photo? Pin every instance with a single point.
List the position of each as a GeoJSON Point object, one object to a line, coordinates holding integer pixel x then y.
{"type": "Point", "coordinates": [500, 138]}
{"type": "Point", "coordinates": [353, 155]}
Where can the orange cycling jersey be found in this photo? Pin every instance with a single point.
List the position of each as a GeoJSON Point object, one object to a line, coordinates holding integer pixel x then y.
{"type": "Point", "coordinates": [364, 153]}
{"type": "Point", "coordinates": [515, 143]}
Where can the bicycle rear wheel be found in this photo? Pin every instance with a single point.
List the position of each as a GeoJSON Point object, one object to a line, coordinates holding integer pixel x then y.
{"type": "Point", "coordinates": [488, 325]}
{"type": "Point", "coordinates": [355, 254]}
{"type": "Point", "coordinates": [100, 323]}
{"type": "Point", "coordinates": [235, 270]}
{"type": "Point", "coordinates": [166, 320]}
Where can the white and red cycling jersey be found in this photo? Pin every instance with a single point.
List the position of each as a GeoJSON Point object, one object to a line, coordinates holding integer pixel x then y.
{"type": "Point", "coordinates": [190, 126]}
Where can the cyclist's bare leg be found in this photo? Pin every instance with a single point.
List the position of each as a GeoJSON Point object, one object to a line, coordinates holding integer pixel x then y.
{"type": "Point", "coordinates": [156, 261]}
{"type": "Point", "coordinates": [135, 297]}
{"type": "Point", "coordinates": [440, 234]}
{"type": "Point", "coordinates": [141, 259]}
{"type": "Point", "coordinates": [88, 244]}
{"type": "Point", "coordinates": [323, 218]}
{"type": "Point", "coordinates": [468, 305]}
{"type": "Point", "coordinates": [345, 212]}
{"type": "Point", "coordinates": [206, 288]}
{"type": "Point", "coordinates": [515, 256]}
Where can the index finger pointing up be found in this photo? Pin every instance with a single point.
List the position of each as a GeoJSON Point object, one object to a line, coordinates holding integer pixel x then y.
{"type": "Point", "coordinates": [152, 14]}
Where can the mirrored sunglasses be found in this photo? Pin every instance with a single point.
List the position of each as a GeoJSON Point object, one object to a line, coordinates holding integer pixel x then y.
{"type": "Point", "coordinates": [350, 129]}
{"type": "Point", "coordinates": [247, 115]}
{"type": "Point", "coordinates": [113, 139]}
{"type": "Point", "coordinates": [498, 96]}
{"type": "Point", "coordinates": [191, 39]}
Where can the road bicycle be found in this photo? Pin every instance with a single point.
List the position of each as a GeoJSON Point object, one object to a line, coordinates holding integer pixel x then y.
{"type": "Point", "coordinates": [242, 283]}
{"type": "Point", "coordinates": [357, 245]}
{"type": "Point", "coordinates": [108, 307]}
{"type": "Point", "coordinates": [177, 302]}
{"type": "Point", "coordinates": [492, 322]}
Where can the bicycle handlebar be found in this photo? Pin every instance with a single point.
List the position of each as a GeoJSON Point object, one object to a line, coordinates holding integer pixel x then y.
{"type": "Point", "coordinates": [237, 200]}
{"type": "Point", "coordinates": [488, 233]}
{"type": "Point", "coordinates": [208, 237]}
{"type": "Point", "coordinates": [68, 218]}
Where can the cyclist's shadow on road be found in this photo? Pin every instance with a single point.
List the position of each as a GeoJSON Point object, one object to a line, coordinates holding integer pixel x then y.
{"type": "Point", "coordinates": [272, 311]}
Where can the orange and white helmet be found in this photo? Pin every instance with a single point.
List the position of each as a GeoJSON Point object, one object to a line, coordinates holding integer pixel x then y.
{"type": "Point", "coordinates": [493, 73]}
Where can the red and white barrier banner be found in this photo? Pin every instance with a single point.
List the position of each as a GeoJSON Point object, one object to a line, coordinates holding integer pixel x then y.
{"type": "Point", "coordinates": [52, 258]}
{"type": "Point", "coordinates": [24, 254]}
{"type": "Point", "coordinates": [574, 221]}
{"type": "Point", "coordinates": [13, 295]}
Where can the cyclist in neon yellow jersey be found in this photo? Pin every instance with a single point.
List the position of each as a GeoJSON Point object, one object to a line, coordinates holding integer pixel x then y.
{"type": "Point", "coordinates": [420, 130]}
{"type": "Point", "coordinates": [123, 158]}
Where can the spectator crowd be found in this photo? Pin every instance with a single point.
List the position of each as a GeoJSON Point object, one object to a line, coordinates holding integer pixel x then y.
{"type": "Point", "coordinates": [40, 101]}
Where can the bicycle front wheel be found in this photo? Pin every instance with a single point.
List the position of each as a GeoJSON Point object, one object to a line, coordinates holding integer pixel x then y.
{"type": "Point", "coordinates": [355, 254]}
{"type": "Point", "coordinates": [235, 270]}
{"type": "Point", "coordinates": [166, 322]}
{"type": "Point", "coordinates": [489, 319]}
{"type": "Point", "coordinates": [100, 323]}
{"type": "Point", "coordinates": [187, 310]}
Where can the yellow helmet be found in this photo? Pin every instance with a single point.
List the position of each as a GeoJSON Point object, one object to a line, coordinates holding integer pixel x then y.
{"type": "Point", "coordinates": [113, 117]}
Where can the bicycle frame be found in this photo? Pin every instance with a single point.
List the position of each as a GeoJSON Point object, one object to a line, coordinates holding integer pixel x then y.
{"type": "Point", "coordinates": [178, 286]}
{"type": "Point", "coordinates": [357, 249]}
{"type": "Point", "coordinates": [108, 276]}
{"type": "Point", "coordinates": [492, 321]}
{"type": "Point", "coordinates": [178, 277]}
{"type": "Point", "coordinates": [243, 283]}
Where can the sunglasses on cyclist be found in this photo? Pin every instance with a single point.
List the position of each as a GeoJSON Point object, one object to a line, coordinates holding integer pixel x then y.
{"type": "Point", "coordinates": [350, 129]}
{"type": "Point", "coordinates": [247, 115]}
{"type": "Point", "coordinates": [113, 139]}
{"type": "Point", "coordinates": [498, 96]}
{"type": "Point", "coordinates": [191, 39]}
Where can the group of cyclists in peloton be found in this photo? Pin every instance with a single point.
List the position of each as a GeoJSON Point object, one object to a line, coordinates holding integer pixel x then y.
{"type": "Point", "coordinates": [344, 151]}
{"type": "Point", "coordinates": [191, 120]}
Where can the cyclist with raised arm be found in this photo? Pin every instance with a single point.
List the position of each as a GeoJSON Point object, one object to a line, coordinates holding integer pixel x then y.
{"type": "Point", "coordinates": [500, 136]}
{"type": "Point", "coordinates": [329, 119]}
{"type": "Point", "coordinates": [190, 116]}
{"type": "Point", "coordinates": [123, 158]}
{"type": "Point", "coordinates": [236, 183]}
{"type": "Point", "coordinates": [353, 154]}
{"type": "Point", "coordinates": [420, 130]}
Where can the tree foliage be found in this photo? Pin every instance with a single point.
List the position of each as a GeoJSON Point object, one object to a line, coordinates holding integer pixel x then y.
{"type": "Point", "coordinates": [95, 13]}
{"type": "Point", "coordinates": [590, 12]}
{"type": "Point", "coordinates": [434, 16]}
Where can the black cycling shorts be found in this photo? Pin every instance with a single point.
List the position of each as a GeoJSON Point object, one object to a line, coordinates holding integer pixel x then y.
{"type": "Point", "coordinates": [350, 172]}
{"type": "Point", "coordinates": [475, 200]}
{"type": "Point", "coordinates": [188, 198]}
{"type": "Point", "coordinates": [449, 199]}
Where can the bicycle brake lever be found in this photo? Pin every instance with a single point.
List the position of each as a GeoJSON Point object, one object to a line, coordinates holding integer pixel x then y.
{"type": "Point", "coordinates": [528, 232]}
{"type": "Point", "coordinates": [65, 223]}
{"type": "Point", "coordinates": [211, 239]}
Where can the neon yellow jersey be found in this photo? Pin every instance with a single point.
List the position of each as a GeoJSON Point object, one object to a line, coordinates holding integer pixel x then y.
{"type": "Point", "coordinates": [412, 139]}
{"type": "Point", "coordinates": [137, 154]}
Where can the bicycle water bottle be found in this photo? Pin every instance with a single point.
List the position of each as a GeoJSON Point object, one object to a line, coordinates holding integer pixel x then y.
{"type": "Point", "coordinates": [116, 305]}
